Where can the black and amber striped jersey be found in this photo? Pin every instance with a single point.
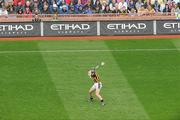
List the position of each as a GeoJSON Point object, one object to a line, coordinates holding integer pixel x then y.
{"type": "Point", "coordinates": [95, 78]}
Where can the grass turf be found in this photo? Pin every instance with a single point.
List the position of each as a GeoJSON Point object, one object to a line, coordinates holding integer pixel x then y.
{"type": "Point", "coordinates": [137, 85]}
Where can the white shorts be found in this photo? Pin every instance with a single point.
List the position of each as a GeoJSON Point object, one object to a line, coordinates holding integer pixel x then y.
{"type": "Point", "coordinates": [96, 86]}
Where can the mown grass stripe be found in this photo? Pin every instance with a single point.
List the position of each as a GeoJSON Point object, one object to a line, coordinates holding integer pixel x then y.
{"type": "Point", "coordinates": [154, 77]}
{"type": "Point", "coordinates": [26, 89]}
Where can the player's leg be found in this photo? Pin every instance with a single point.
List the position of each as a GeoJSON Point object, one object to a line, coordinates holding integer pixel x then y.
{"type": "Point", "coordinates": [98, 89]}
{"type": "Point", "coordinates": [98, 94]}
{"type": "Point", "coordinates": [91, 90]}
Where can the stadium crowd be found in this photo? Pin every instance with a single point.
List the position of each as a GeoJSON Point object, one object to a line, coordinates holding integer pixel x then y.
{"type": "Point", "coordinates": [130, 7]}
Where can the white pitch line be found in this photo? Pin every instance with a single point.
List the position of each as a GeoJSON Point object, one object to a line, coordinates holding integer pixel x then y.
{"type": "Point", "coordinates": [88, 50]}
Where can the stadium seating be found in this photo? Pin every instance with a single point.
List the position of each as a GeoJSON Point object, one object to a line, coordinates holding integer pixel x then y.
{"type": "Point", "coordinates": [60, 7]}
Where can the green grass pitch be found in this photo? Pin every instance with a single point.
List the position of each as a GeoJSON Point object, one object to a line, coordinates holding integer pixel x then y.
{"type": "Point", "coordinates": [47, 80]}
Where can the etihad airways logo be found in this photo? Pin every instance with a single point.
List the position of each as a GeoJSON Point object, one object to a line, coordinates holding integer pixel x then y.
{"type": "Point", "coordinates": [16, 27]}
{"type": "Point", "coordinates": [171, 25]}
{"type": "Point", "coordinates": [174, 27]}
{"type": "Point", "coordinates": [70, 26]}
{"type": "Point", "coordinates": [126, 26]}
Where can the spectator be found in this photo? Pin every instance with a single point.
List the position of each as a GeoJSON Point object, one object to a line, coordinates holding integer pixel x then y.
{"type": "Point", "coordinates": [28, 12]}
{"type": "Point", "coordinates": [107, 9]}
{"type": "Point", "coordinates": [35, 4]}
{"type": "Point", "coordinates": [166, 9]}
{"type": "Point", "coordinates": [146, 11]}
{"type": "Point", "coordinates": [72, 10]}
{"type": "Point", "coordinates": [150, 10]}
{"type": "Point", "coordinates": [88, 10]}
{"type": "Point", "coordinates": [93, 2]}
{"type": "Point", "coordinates": [141, 11]}
{"type": "Point", "coordinates": [76, 5]}
{"type": "Point", "coordinates": [138, 4]}
{"type": "Point", "coordinates": [151, 2]}
{"type": "Point", "coordinates": [162, 6]}
{"type": "Point", "coordinates": [19, 8]}
{"type": "Point", "coordinates": [156, 6]}
{"type": "Point", "coordinates": [11, 9]}
{"type": "Point", "coordinates": [3, 12]}
{"type": "Point", "coordinates": [16, 2]}
{"type": "Point", "coordinates": [60, 7]}
{"type": "Point", "coordinates": [135, 1]}
{"type": "Point", "coordinates": [45, 8]}
{"type": "Point", "coordinates": [97, 3]}
{"type": "Point", "coordinates": [80, 10]}
{"type": "Point", "coordinates": [1, 3]}
{"type": "Point", "coordinates": [104, 1]}
{"type": "Point", "coordinates": [146, 3]}
{"type": "Point", "coordinates": [9, 1]}
{"type": "Point", "coordinates": [118, 1]}
{"type": "Point", "coordinates": [123, 6]}
{"type": "Point", "coordinates": [64, 10]}
{"type": "Point", "coordinates": [116, 9]}
{"type": "Point", "coordinates": [67, 2]}
{"type": "Point", "coordinates": [112, 5]}
{"type": "Point", "coordinates": [36, 11]}
{"type": "Point", "coordinates": [53, 6]}
{"type": "Point", "coordinates": [169, 2]}
{"type": "Point", "coordinates": [20, 11]}
{"type": "Point", "coordinates": [97, 10]}
{"type": "Point", "coordinates": [132, 12]}
{"type": "Point", "coordinates": [59, 2]}
{"type": "Point", "coordinates": [29, 5]}
{"type": "Point", "coordinates": [177, 12]}
{"type": "Point", "coordinates": [173, 8]}
{"type": "Point", "coordinates": [88, 4]}
{"type": "Point", "coordinates": [103, 4]}
{"type": "Point", "coordinates": [178, 8]}
{"type": "Point", "coordinates": [84, 2]}
{"type": "Point", "coordinates": [131, 5]}
{"type": "Point", "coordinates": [8, 5]}
{"type": "Point", "coordinates": [40, 5]}
{"type": "Point", "coordinates": [71, 3]}
{"type": "Point", "coordinates": [75, 2]}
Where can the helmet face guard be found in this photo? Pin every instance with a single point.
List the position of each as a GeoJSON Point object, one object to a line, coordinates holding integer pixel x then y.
{"type": "Point", "coordinates": [93, 72]}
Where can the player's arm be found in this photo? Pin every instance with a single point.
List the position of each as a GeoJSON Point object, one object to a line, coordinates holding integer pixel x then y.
{"type": "Point", "coordinates": [89, 73]}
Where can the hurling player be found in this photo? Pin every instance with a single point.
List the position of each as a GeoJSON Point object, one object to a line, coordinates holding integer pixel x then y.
{"type": "Point", "coordinates": [96, 86]}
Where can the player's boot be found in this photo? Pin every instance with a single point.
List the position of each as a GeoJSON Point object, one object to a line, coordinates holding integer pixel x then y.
{"type": "Point", "coordinates": [91, 99]}
{"type": "Point", "coordinates": [102, 102]}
